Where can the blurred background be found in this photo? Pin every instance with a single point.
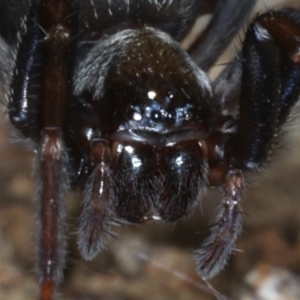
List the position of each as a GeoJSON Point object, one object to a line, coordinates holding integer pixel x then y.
{"type": "Point", "coordinates": [153, 261]}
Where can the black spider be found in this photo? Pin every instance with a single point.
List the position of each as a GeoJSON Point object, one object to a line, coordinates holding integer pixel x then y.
{"type": "Point", "coordinates": [116, 107]}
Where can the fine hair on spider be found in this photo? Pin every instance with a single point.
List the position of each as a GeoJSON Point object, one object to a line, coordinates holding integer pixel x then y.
{"type": "Point", "coordinates": [117, 109]}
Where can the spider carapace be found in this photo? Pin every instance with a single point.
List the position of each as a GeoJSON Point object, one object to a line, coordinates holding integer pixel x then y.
{"type": "Point", "coordinates": [116, 107]}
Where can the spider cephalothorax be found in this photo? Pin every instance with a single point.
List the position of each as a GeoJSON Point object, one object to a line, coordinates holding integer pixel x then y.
{"type": "Point", "coordinates": [116, 107]}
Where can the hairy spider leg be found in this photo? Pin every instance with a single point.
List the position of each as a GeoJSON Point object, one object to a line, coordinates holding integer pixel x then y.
{"type": "Point", "coordinates": [270, 87]}
{"type": "Point", "coordinates": [228, 16]}
{"type": "Point", "coordinates": [56, 21]}
{"type": "Point", "coordinates": [213, 253]}
{"type": "Point", "coordinates": [46, 36]}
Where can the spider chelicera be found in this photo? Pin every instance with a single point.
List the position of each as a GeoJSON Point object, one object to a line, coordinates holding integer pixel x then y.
{"type": "Point", "coordinates": [115, 107]}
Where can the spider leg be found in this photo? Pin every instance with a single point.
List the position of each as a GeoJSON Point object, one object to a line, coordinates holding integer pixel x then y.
{"type": "Point", "coordinates": [95, 222]}
{"type": "Point", "coordinates": [25, 88]}
{"type": "Point", "coordinates": [226, 89]}
{"type": "Point", "coordinates": [12, 11]}
{"type": "Point", "coordinates": [56, 22]}
{"type": "Point", "coordinates": [227, 18]}
{"type": "Point", "coordinates": [6, 66]}
{"type": "Point", "coordinates": [213, 254]}
{"type": "Point", "coordinates": [44, 87]}
{"type": "Point", "coordinates": [286, 36]}
{"type": "Point", "coordinates": [269, 86]}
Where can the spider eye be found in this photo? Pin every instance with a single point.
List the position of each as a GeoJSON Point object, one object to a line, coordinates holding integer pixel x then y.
{"type": "Point", "coordinates": [134, 113]}
{"type": "Point", "coordinates": [156, 116]}
{"type": "Point", "coordinates": [188, 115]}
{"type": "Point", "coordinates": [137, 116]}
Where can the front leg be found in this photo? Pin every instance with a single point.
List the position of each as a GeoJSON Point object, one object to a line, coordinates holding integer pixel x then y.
{"type": "Point", "coordinates": [37, 107]}
{"type": "Point", "coordinates": [270, 87]}
{"type": "Point", "coordinates": [54, 97]}
{"type": "Point", "coordinates": [227, 18]}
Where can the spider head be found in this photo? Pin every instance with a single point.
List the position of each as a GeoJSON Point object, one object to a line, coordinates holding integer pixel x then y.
{"type": "Point", "coordinates": [152, 105]}
{"type": "Point", "coordinates": [150, 84]}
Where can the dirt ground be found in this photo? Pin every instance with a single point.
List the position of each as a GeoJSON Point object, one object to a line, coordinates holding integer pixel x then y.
{"type": "Point", "coordinates": [153, 261]}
